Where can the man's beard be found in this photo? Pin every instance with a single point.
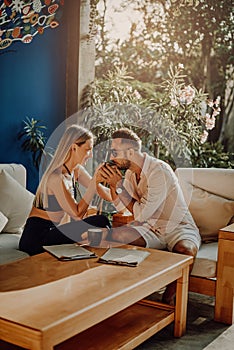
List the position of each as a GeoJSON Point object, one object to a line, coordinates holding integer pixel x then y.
{"type": "Point", "coordinates": [124, 166]}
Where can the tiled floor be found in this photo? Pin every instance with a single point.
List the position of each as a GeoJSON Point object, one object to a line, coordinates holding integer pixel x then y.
{"type": "Point", "coordinates": [224, 342]}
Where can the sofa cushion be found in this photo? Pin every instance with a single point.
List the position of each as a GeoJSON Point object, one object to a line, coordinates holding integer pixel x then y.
{"type": "Point", "coordinates": [17, 171]}
{"type": "Point", "coordinates": [3, 221]}
{"type": "Point", "coordinates": [210, 212]}
{"type": "Point", "coordinates": [9, 240]}
{"type": "Point", "coordinates": [206, 261]}
{"type": "Point", "coordinates": [15, 203]}
{"type": "Point", "coordinates": [214, 180]}
{"type": "Point", "coordinates": [209, 193]}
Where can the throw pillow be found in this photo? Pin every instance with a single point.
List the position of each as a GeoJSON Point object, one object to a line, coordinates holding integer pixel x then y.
{"type": "Point", "coordinates": [15, 203]}
{"type": "Point", "coordinates": [210, 212]}
{"type": "Point", "coordinates": [3, 221]}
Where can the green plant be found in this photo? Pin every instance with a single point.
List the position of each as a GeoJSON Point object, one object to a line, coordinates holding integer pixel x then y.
{"type": "Point", "coordinates": [115, 87]}
{"type": "Point", "coordinates": [173, 119]}
{"type": "Point", "coordinates": [33, 139]}
{"type": "Point", "coordinates": [92, 18]}
{"type": "Point", "coordinates": [210, 155]}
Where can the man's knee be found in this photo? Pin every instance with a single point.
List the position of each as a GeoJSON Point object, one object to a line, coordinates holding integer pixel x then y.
{"type": "Point", "coordinates": [118, 234]}
{"type": "Point", "coordinates": [185, 247]}
{"type": "Point", "coordinates": [127, 235]}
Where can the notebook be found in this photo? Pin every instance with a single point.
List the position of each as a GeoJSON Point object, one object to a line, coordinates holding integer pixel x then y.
{"type": "Point", "coordinates": [69, 251]}
{"type": "Point", "coordinates": [122, 256]}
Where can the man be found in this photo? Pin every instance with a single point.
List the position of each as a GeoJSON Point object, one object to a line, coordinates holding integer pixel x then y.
{"type": "Point", "coordinates": [150, 190]}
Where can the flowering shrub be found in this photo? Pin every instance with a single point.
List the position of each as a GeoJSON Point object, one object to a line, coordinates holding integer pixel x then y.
{"type": "Point", "coordinates": [186, 96]}
{"type": "Point", "coordinates": [188, 110]}
{"type": "Point", "coordinates": [115, 87]}
{"type": "Point", "coordinates": [210, 118]}
{"type": "Point", "coordinates": [172, 119]}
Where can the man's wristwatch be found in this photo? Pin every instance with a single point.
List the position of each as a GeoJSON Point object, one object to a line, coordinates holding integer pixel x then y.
{"type": "Point", "coordinates": [119, 190]}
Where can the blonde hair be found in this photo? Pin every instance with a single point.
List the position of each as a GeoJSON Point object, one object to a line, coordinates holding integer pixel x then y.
{"type": "Point", "coordinates": [73, 134]}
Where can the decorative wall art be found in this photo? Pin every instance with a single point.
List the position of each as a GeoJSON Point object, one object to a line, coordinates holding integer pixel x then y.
{"type": "Point", "coordinates": [22, 20]}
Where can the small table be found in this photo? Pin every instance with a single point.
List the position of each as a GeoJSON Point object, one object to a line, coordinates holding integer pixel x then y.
{"type": "Point", "coordinates": [44, 301]}
{"type": "Point", "coordinates": [224, 298]}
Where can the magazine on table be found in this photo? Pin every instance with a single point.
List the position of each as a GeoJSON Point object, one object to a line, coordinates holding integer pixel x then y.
{"type": "Point", "coordinates": [122, 256]}
{"type": "Point", "coordinates": [70, 251]}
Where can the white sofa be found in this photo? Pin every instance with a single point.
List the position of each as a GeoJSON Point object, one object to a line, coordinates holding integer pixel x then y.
{"type": "Point", "coordinates": [15, 205]}
{"type": "Point", "coordinates": [210, 197]}
{"type": "Point", "coordinates": [209, 193]}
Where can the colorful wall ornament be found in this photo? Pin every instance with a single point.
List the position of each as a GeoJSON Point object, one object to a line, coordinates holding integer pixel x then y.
{"type": "Point", "coordinates": [22, 20]}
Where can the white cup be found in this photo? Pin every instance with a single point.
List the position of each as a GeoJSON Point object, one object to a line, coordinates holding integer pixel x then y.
{"type": "Point", "coordinates": [95, 236]}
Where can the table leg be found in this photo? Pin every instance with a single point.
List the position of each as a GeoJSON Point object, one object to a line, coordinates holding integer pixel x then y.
{"type": "Point", "coordinates": [224, 301]}
{"type": "Point", "coordinates": [181, 303]}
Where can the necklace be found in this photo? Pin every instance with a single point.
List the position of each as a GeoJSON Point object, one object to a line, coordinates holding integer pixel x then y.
{"type": "Point", "coordinates": [75, 184]}
{"type": "Point", "coordinates": [67, 169]}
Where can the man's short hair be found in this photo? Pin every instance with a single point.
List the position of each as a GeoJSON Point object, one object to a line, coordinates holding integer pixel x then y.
{"type": "Point", "coordinates": [128, 136]}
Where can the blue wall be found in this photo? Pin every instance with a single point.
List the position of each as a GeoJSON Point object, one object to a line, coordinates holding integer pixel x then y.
{"type": "Point", "coordinates": [32, 83]}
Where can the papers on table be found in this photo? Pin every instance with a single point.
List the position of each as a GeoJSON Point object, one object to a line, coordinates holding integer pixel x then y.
{"type": "Point", "coordinates": [118, 256]}
{"type": "Point", "coordinates": [69, 251]}
{"type": "Point", "coordinates": [121, 256]}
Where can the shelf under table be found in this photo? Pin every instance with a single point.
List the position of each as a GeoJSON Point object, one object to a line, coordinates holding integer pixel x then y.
{"type": "Point", "coordinates": [125, 330]}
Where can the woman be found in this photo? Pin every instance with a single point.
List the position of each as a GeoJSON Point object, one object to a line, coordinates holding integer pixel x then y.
{"type": "Point", "coordinates": [58, 195]}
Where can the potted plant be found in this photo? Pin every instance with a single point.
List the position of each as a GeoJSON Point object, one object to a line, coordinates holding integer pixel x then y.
{"type": "Point", "coordinates": [33, 139]}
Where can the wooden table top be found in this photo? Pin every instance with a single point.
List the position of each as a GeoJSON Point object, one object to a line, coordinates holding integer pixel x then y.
{"type": "Point", "coordinates": [42, 292]}
{"type": "Point", "coordinates": [227, 232]}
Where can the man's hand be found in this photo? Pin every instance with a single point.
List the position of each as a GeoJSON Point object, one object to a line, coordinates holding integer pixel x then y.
{"type": "Point", "coordinates": [110, 174]}
{"type": "Point", "coordinates": [98, 174]}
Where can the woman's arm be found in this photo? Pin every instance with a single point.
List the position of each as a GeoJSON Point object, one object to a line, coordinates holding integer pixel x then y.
{"type": "Point", "coordinates": [57, 187]}
{"type": "Point", "coordinates": [85, 178]}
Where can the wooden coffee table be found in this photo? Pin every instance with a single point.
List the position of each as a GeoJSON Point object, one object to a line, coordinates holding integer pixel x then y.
{"type": "Point", "coordinates": [44, 301]}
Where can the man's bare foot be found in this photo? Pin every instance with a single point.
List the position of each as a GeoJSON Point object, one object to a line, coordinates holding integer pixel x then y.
{"type": "Point", "coordinates": [169, 301]}
{"type": "Point", "coordinates": [170, 294]}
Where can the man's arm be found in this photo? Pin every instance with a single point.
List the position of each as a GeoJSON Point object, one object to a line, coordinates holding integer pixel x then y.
{"type": "Point", "coordinates": [122, 197]}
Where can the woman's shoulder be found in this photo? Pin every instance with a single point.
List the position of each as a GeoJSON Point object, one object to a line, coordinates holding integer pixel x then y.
{"type": "Point", "coordinates": [54, 177]}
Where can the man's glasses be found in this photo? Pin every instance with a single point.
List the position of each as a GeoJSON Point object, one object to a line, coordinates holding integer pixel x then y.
{"type": "Point", "coordinates": [115, 152]}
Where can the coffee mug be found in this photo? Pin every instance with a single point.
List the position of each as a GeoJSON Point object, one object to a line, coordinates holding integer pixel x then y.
{"type": "Point", "coordinates": [95, 236]}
